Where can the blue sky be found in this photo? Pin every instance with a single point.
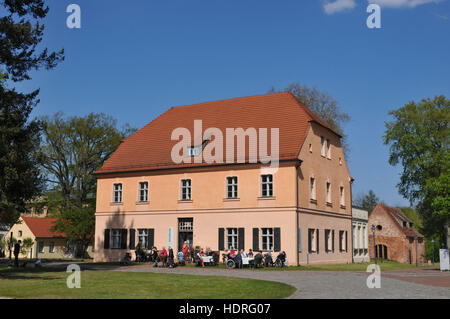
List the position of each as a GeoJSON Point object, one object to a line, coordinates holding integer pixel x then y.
{"type": "Point", "coordinates": [134, 59]}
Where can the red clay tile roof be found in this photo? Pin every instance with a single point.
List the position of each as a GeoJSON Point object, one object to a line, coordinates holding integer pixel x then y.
{"type": "Point", "coordinates": [150, 147]}
{"type": "Point", "coordinates": [40, 227]}
{"type": "Point", "coordinates": [399, 216]}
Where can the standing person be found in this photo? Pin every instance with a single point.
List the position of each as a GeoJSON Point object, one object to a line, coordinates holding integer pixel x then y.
{"type": "Point", "coordinates": [164, 256]}
{"type": "Point", "coordinates": [171, 257]}
{"type": "Point", "coordinates": [185, 250]}
{"type": "Point", "coordinates": [16, 253]}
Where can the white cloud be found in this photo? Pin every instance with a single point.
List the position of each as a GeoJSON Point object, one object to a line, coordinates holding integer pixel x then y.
{"type": "Point", "coordinates": [338, 6]}
{"type": "Point", "coordinates": [402, 3]}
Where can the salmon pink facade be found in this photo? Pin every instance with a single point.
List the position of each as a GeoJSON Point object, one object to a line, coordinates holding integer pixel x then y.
{"type": "Point", "coordinates": [302, 207]}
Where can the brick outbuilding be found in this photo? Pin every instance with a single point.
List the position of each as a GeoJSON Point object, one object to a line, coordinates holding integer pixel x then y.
{"type": "Point", "coordinates": [395, 236]}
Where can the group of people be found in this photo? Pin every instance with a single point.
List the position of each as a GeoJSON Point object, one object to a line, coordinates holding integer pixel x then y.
{"type": "Point", "coordinates": [256, 258]}
{"type": "Point", "coordinates": [191, 254]}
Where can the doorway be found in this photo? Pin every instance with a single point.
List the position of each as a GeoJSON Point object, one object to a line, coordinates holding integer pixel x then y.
{"type": "Point", "coordinates": [185, 232]}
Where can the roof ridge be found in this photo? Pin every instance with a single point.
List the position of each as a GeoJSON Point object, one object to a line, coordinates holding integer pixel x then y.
{"type": "Point", "coordinates": [228, 100]}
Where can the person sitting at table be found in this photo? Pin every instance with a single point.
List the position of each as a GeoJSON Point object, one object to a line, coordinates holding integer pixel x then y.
{"type": "Point", "coordinates": [268, 261]}
{"type": "Point", "coordinates": [250, 253]}
{"type": "Point", "coordinates": [238, 260]}
{"type": "Point", "coordinates": [140, 256]}
{"type": "Point", "coordinates": [257, 259]}
{"type": "Point", "coordinates": [208, 251]}
{"type": "Point", "coordinates": [282, 257]}
{"type": "Point", "coordinates": [155, 257]}
{"type": "Point", "coordinates": [243, 253]}
{"type": "Point", "coordinates": [180, 257]}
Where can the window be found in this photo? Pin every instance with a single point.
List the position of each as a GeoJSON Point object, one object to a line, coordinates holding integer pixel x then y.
{"type": "Point", "coordinates": [232, 238]}
{"type": "Point", "coordinates": [328, 243]}
{"type": "Point", "coordinates": [117, 193]}
{"type": "Point", "coordinates": [143, 191]}
{"type": "Point", "coordinates": [232, 187]}
{"type": "Point", "coordinates": [322, 147]}
{"type": "Point", "coordinates": [342, 240]}
{"type": "Point", "coordinates": [186, 189]}
{"type": "Point", "coordinates": [193, 151]}
{"type": "Point", "coordinates": [143, 237]}
{"type": "Point", "coordinates": [51, 247]}
{"type": "Point", "coordinates": [340, 161]}
{"type": "Point", "coordinates": [115, 238]}
{"type": "Point", "coordinates": [328, 192]}
{"type": "Point", "coordinates": [310, 148]}
{"type": "Point", "coordinates": [328, 149]}
{"type": "Point", "coordinates": [19, 234]}
{"type": "Point", "coordinates": [41, 246]}
{"type": "Point", "coordinates": [341, 195]}
{"type": "Point", "coordinates": [312, 188]}
{"type": "Point", "coordinates": [312, 240]}
{"type": "Point", "coordinates": [266, 186]}
{"type": "Point", "coordinates": [196, 150]}
{"type": "Point", "coordinates": [267, 238]}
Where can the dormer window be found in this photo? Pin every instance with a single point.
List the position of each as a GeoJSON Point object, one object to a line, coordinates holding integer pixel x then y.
{"type": "Point", "coordinates": [194, 151]}
{"type": "Point", "coordinates": [404, 224]}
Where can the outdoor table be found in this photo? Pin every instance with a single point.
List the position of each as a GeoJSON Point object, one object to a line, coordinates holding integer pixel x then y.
{"type": "Point", "coordinates": [246, 260]}
{"type": "Point", "coordinates": [207, 259]}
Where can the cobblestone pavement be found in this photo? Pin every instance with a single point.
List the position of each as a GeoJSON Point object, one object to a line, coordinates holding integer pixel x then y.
{"type": "Point", "coordinates": [424, 276]}
{"type": "Point", "coordinates": [322, 284]}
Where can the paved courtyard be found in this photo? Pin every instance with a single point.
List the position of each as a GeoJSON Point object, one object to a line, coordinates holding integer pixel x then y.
{"type": "Point", "coordinates": [334, 284]}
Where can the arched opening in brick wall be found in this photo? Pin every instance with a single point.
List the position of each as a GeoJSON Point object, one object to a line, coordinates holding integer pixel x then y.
{"type": "Point", "coordinates": [381, 251]}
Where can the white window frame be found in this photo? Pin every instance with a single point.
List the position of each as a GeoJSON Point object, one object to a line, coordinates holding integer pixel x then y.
{"type": "Point", "coordinates": [267, 239]}
{"type": "Point", "coordinates": [143, 192]}
{"type": "Point", "coordinates": [41, 246]}
{"type": "Point", "coordinates": [116, 236]}
{"type": "Point", "coordinates": [232, 187]}
{"type": "Point", "coordinates": [328, 192]}
{"type": "Point", "coordinates": [313, 239]}
{"type": "Point", "coordinates": [143, 237]}
{"type": "Point", "coordinates": [232, 238]}
{"type": "Point", "coordinates": [186, 189]}
{"type": "Point", "coordinates": [117, 192]}
{"type": "Point", "coordinates": [312, 188]}
{"type": "Point", "coordinates": [322, 148]}
{"type": "Point", "coordinates": [19, 233]}
{"type": "Point", "coordinates": [51, 247]}
{"type": "Point", "coordinates": [328, 149]}
{"type": "Point", "coordinates": [342, 195]}
{"type": "Point", "coordinates": [267, 185]}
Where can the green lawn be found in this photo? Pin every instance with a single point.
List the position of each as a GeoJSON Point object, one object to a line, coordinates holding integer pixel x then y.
{"type": "Point", "coordinates": [32, 283]}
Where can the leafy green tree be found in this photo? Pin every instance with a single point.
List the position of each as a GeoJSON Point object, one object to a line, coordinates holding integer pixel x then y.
{"type": "Point", "coordinates": [20, 35]}
{"type": "Point", "coordinates": [72, 149]}
{"type": "Point", "coordinates": [27, 243]}
{"type": "Point", "coordinates": [366, 201]}
{"type": "Point", "coordinates": [322, 104]}
{"type": "Point", "coordinates": [419, 140]}
{"type": "Point", "coordinates": [78, 224]}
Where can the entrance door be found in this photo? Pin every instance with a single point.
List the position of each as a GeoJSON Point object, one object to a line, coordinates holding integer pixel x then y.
{"type": "Point", "coordinates": [185, 232]}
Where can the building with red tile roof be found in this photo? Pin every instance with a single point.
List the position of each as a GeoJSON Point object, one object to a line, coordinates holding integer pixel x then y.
{"type": "Point", "coordinates": [396, 238]}
{"type": "Point", "coordinates": [149, 193]}
{"type": "Point", "coordinates": [47, 243]}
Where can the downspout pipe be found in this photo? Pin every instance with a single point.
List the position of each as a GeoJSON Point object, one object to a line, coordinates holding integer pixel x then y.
{"type": "Point", "coordinates": [297, 166]}
{"type": "Point", "coordinates": [351, 222]}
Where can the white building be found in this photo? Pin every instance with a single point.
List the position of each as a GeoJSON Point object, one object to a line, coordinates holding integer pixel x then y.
{"type": "Point", "coordinates": [360, 222]}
